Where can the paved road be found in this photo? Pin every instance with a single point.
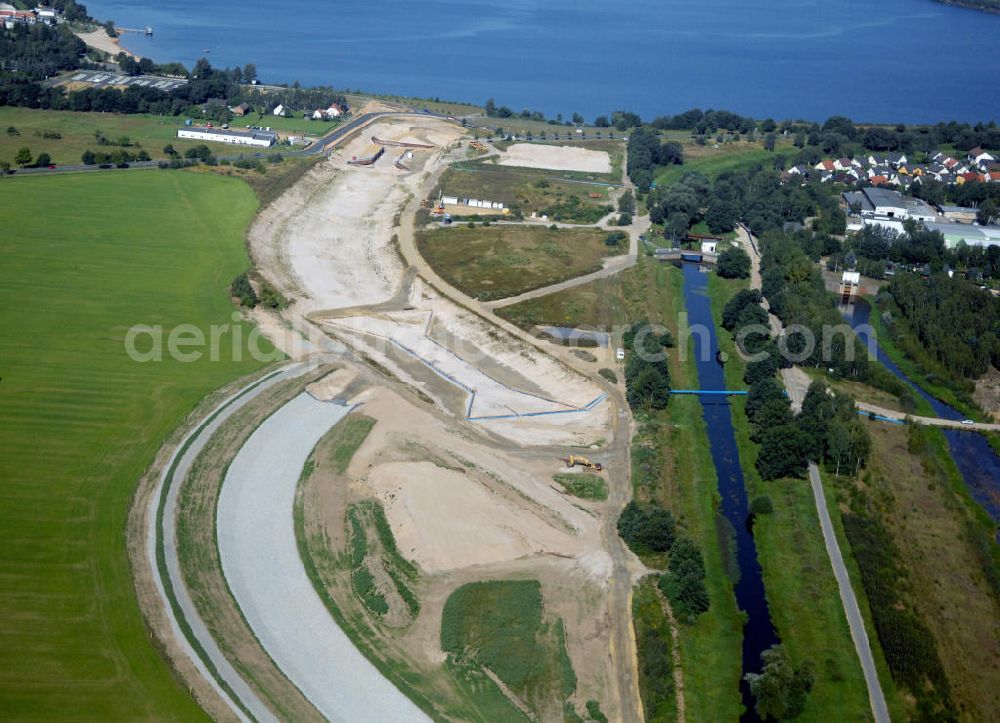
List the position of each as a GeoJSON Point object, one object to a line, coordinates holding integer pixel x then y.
{"type": "Point", "coordinates": [259, 554]}
{"type": "Point", "coordinates": [854, 619]}
{"type": "Point", "coordinates": [188, 628]}
{"type": "Point", "coordinates": [930, 421]}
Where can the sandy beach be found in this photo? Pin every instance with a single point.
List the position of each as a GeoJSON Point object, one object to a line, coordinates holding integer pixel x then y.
{"type": "Point", "coordinates": [99, 39]}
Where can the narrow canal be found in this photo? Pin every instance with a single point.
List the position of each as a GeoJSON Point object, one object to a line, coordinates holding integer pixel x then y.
{"type": "Point", "coordinates": [758, 634]}
{"type": "Point", "coordinates": [976, 460]}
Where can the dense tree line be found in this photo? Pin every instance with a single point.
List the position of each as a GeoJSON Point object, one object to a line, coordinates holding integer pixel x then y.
{"type": "Point", "coordinates": [955, 322]}
{"type": "Point", "coordinates": [872, 249]}
{"type": "Point", "coordinates": [826, 429]}
{"type": "Point", "coordinates": [34, 52]}
{"type": "Point", "coordinates": [646, 529]}
{"type": "Point", "coordinates": [733, 263]}
{"type": "Point", "coordinates": [647, 375]}
{"type": "Point", "coordinates": [707, 122]}
{"type": "Point", "coordinates": [797, 295]}
{"type": "Point", "coordinates": [684, 584]}
{"type": "Point", "coordinates": [646, 152]}
{"type": "Point", "coordinates": [31, 54]}
{"type": "Point", "coordinates": [781, 689]}
{"type": "Point", "coordinates": [909, 646]}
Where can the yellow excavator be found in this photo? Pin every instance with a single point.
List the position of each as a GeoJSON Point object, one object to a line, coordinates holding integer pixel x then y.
{"type": "Point", "coordinates": [575, 459]}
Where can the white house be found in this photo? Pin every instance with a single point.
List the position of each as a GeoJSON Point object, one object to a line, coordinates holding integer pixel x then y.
{"type": "Point", "coordinates": [264, 139]}
{"type": "Point", "coordinates": [279, 110]}
{"type": "Point", "coordinates": [334, 111]}
{"type": "Point", "coordinates": [980, 157]}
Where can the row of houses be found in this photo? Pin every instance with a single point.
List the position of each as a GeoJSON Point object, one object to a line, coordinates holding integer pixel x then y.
{"type": "Point", "coordinates": [10, 16]}
{"type": "Point", "coordinates": [895, 169]}
{"type": "Point", "coordinates": [329, 113]}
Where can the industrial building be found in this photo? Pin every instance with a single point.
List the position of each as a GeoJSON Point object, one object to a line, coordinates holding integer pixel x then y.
{"type": "Point", "coordinates": [253, 137]}
{"type": "Point", "coordinates": [882, 203]}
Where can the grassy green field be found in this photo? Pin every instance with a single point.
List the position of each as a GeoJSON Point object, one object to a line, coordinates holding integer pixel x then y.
{"type": "Point", "coordinates": [801, 590]}
{"type": "Point", "coordinates": [85, 258]}
{"type": "Point", "coordinates": [501, 625]}
{"type": "Point", "coordinates": [531, 190]}
{"type": "Point", "coordinates": [583, 485]}
{"type": "Point", "coordinates": [712, 161]}
{"type": "Point", "coordinates": [500, 261]}
{"type": "Point", "coordinates": [148, 132]}
{"type": "Point", "coordinates": [915, 489]}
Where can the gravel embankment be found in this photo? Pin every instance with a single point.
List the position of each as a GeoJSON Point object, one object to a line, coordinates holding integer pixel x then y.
{"type": "Point", "coordinates": [261, 563]}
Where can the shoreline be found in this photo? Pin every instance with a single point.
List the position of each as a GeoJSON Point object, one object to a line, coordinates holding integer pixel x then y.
{"type": "Point", "coordinates": [100, 40]}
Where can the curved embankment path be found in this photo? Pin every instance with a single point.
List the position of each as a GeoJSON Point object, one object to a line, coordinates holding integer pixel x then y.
{"type": "Point", "coordinates": [260, 560]}
{"type": "Point", "coordinates": [188, 628]}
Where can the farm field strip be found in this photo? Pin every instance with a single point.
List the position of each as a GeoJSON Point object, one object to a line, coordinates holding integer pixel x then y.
{"type": "Point", "coordinates": [81, 421]}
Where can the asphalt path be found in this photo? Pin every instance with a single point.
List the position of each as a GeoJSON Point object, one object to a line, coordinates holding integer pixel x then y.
{"type": "Point", "coordinates": [188, 628]}
{"type": "Point", "coordinates": [850, 602]}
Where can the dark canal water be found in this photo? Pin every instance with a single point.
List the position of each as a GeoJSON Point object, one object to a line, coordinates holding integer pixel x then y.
{"type": "Point", "coordinates": [759, 634]}
{"type": "Point", "coordinates": [976, 460]}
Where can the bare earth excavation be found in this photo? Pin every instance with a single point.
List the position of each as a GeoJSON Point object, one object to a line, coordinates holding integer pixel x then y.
{"type": "Point", "coordinates": [364, 536]}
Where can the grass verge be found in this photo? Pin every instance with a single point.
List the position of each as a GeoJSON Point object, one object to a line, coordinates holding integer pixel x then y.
{"type": "Point", "coordinates": [583, 485]}
{"type": "Point", "coordinates": [501, 627]}
{"type": "Point", "coordinates": [82, 421]}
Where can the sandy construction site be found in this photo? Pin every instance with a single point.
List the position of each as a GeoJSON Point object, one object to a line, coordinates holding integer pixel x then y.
{"type": "Point", "coordinates": [468, 422]}
{"type": "Point", "coordinates": [556, 158]}
{"type": "Point", "coordinates": [331, 243]}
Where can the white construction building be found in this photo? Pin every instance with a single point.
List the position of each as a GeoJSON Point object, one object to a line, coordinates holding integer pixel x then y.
{"type": "Point", "coordinates": [235, 137]}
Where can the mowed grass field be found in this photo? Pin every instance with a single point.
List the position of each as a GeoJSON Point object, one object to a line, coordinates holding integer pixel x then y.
{"type": "Point", "coordinates": [494, 262]}
{"type": "Point", "coordinates": [84, 258]}
{"type": "Point", "coordinates": [713, 161]}
{"type": "Point", "coordinates": [148, 132]}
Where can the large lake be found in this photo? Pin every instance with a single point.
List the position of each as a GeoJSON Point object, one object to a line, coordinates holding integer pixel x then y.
{"type": "Point", "coordinates": [914, 61]}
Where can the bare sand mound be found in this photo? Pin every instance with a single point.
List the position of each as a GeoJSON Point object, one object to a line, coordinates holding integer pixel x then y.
{"type": "Point", "coordinates": [446, 520]}
{"type": "Point", "coordinates": [556, 158]}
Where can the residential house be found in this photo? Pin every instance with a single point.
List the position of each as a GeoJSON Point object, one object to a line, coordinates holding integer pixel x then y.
{"type": "Point", "coordinates": [279, 110]}
{"type": "Point", "coordinates": [241, 110]}
{"type": "Point", "coordinates": [896, 159]}
{"type": "Point", "coordinates": [979, 157]}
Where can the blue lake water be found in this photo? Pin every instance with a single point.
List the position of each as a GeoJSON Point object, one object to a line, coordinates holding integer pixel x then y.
{"type": "Point", "coordinates": [893, 60]}
{"type": "Point", "coordinates": [758, 633]}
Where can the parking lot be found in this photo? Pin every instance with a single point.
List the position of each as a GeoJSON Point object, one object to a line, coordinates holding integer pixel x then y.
{"type": "Point", "coordinates": [102, 78]}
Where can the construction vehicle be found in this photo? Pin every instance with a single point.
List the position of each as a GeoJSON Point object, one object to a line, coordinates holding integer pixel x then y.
{"type": "Point", "coordinates": [576, 459]}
